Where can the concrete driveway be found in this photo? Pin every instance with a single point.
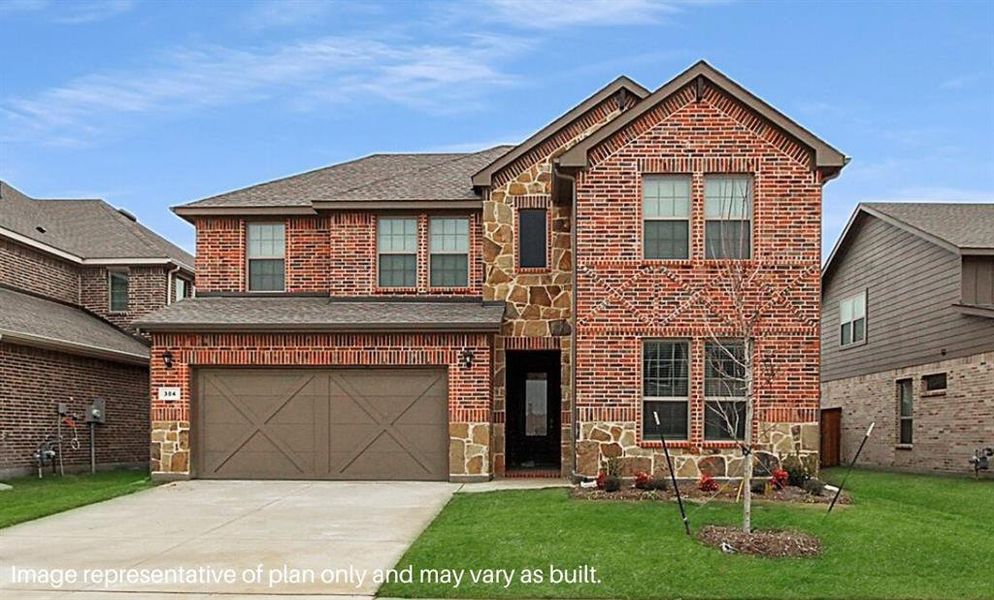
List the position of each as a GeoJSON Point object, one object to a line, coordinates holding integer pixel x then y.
{"type": "Point", "coordinates": [202, 534]}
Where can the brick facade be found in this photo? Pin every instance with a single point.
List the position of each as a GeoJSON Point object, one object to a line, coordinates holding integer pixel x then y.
{"type": "Point", "coordinates": [147, 289]}
{"type": "Point", "coordinates": [35, 381]}
{"type": "Point", "coordinates": [946, 427]}
{"type": "Point", "coordinates": [28, 269]}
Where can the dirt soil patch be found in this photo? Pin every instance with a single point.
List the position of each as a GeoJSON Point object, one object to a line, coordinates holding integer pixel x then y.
{"type": "Point", "coordinates": [771, 544]}
{"type": "Point", "coordinates": [728, 492]}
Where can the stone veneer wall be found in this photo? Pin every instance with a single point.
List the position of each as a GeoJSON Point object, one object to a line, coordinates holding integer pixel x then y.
{"type": "Point", "coordinates": [947, 427]}
{"type": "Point", "coordinates": [469, 388]}
{"type": "Point", "coordinates": [624, 299]}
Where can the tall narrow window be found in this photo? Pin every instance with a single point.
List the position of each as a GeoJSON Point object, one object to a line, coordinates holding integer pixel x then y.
{"type": "Point", "coordinates": [266, 251]}
{"type": "Point", "coordinates": [665, 388]}
{"type": "Point", "coordinates": [532, 238]}
{"type": "Point", "coordinates": [118, 284]}
{"type": "Point", "coordinates": [728, 216]}
{"type": "Point", "coordinates": [666, 216]}
{"type": "Point", "coordinates": [449, 261]}
{"type": "Point", "coordinates": [397, 245]}
{"type": "Point", "coordinates": [852, 319]}
{"type": "Point", "coordinates": [724, 391]}
{"type": "Point", "coordinates": [905, 411]}
{"type": "Point", "coordinates": [181, 288]}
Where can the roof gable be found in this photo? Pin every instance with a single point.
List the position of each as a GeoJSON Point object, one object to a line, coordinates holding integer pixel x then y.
{"type": "Point", "coordinates": [826, 157]}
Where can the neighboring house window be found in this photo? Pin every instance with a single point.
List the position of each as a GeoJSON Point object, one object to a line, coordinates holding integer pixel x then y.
{"type": "Point", "coordinates": [397, 245]}
{"type": "Point", "coordinates": [724, 391]}
{"type": "Point", "coordinates": [935, 382]}
{"type": "Point", "coordinates": [532, 228]}
{"type": "Point", "coordinates": [181, 288]}
{"type": "Point", "coordinates": [666, 216]}
{"type": "Point", "coordinates": [904, 407]}
{"type": "Point", "coordinates": [665, 388]}
{"type": "Point", "coordinates": [266, 251]}
{"type": "Point", "coordinates": [852, 319]}
{"type": "Point", "coordinates": [118, 283]}
{"type": "Point", "coordinates": [449, 260]}
{"type": "Point", "coordinates": [728, 216]}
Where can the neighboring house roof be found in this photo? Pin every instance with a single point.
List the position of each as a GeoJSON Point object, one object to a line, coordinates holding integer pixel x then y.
{"type": "Point", "coordinates": [362, 182]}
{"type": "Point", "coordinates": [825, 155]}
{"type": "Point", "coordinates": [241, 313]}
{"type": "Point", "coordinates": [86, 230]}
{"type": "Point", "coordinates": [33, 321]}
{"type": "Point", "coordinates": [957, 227]}
{"type": "Point", "coordinates": [483, 177]}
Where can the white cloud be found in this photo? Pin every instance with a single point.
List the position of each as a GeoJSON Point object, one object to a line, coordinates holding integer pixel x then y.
{"type": "Point", "coordinates": [267, 14]}
{"type": "Point", "coordinates": [305, 75]}
{"type": "Point", "coordinates": [554, 14]}
{"type": "Point", "coordinates": [69, 12]}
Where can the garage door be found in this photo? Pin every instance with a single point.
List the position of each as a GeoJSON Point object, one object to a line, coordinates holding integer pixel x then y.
{"type": "Point", "coordinates": [322, 424]}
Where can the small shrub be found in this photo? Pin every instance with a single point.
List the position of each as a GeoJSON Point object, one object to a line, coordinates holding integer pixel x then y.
{"type": "Point", "coordinates": [659, 484]}
{"type": "Point", "coordinates": [814, 486]}
{"type": "Point", "coordinates": [612, 483]}
{"type": "Point", "coordinates": [758, 486]}
{"type": "Point", "coordinates": [642, 480]}
{"type": "Point", "coordinates": [707, 484]}
{"type": "Point", "coordinates": [613, 467]}
{"type": "Point", "coordinates": [779, 479]}
{"type": "Point", "coordinates": [797, 471]}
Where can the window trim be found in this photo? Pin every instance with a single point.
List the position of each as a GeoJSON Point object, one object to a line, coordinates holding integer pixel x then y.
{"type": "Point", "coordinates": [839, 324]}
{"type": "Point", "coordinates": [900, 417]}
{"type": "Point", "coordinates": [936, 392]}
{"type": "Point", "coordinates": [377, 284]}
{"type": "Point", "coordinates": [735, 399]}
{"type": "Point", "coordinates": [686, 399]}
{"type": "Point", "coordinates": [249, 259]}
{"type": "Point", "coordinates": [752, 213]}
{"type": "Point", "coordinates": [468, 253]}
{"type": "Point", "coordinates": [110, 290]}
{"type": "Point", "coordinates": [689, 178]}
{"type": "Point", "coordinates": [519, 238]}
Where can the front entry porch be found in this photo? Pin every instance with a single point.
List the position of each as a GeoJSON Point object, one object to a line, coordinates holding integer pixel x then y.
{"type": "Point", "coordinates": [533, 433]}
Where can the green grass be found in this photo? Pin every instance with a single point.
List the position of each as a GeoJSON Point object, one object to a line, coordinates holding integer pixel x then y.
{"type": "Point", "coordinates": [33, 498]}
{"type": "Point", "coordinates": [907, 536]}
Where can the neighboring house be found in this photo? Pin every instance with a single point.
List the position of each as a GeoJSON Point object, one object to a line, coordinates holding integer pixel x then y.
{"type": "Point", "coordinates": [466, 286]}
{"type": "Point", "coordinates": [908, 334]}
{"type": "Point", "coordinates": [74, 275]}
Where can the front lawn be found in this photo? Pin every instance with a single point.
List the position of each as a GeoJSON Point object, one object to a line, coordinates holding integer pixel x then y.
{"type": "Point", "coordinates": [907, 536]}
{"type": "Point", "coordinates": [33, 498]}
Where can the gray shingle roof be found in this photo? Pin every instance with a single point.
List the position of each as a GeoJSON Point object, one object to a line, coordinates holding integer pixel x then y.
{"type": "Point", "coordinates": [35, 321]}
{"type": "Point", "coordinates": [965, 226]}
{"type": "Point", "coordinates": [85, 228]}
{"type": "Point", "coordinates": [323, 314]}
{"type": "Point", "coordinates": [379, 177]}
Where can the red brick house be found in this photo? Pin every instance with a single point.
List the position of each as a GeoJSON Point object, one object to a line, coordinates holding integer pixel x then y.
{"type": "Point", "coordinates": [419, 316]}
{"type": "Point", "coordinates": [74, 276]}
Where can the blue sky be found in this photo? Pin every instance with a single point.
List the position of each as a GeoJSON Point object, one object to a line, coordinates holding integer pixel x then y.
{"type": "Point", "coordinates": [153, 104]}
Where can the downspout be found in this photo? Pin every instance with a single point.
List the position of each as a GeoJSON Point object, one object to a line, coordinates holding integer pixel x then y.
{"type": "Point", "coordinates": [572, 317]}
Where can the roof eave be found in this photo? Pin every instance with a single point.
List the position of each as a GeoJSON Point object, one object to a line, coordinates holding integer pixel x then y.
{"type": "Point", "coordinates": [397, 204]}
{"type": "Point", "coordinates": [190, 212]}
{"type": "Point", "coordinates": [47, 343]}
{"type": "Point", "coordinates": [464, 327]}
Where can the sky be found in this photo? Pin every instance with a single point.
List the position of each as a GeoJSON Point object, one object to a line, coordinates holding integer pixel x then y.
{"type": "Point", "coordinates": [153, 104]}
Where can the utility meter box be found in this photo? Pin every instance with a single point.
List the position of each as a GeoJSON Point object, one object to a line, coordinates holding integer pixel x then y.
{"type": "Point", "coordinates": [96, 411]}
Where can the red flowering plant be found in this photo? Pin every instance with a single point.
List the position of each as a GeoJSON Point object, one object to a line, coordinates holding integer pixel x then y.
{"type": "Point", "coordinates": [601, 476]}
{"type": "Point", "coordinates": [779, 479]}
{"type": "Point", "coordinates": [707, 484]}
{"type": "Point", "coordinates": [642, 480]}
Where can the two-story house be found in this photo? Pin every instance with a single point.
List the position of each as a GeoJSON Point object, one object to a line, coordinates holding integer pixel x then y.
{"type": "Point", "coordinates": [74, 276]}
{"type": "Point", "coordinates": [515, 311]}
{"type": "Point", "coordinates": [908, 334]}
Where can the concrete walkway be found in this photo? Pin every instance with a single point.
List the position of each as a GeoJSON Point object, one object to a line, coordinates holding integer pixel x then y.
{"type": "Point", "coordinates": [344, 531]}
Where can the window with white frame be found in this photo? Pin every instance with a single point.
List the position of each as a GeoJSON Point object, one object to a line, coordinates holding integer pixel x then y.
{"type": "Point", "coordinates": [905, 411]}
{"type": "Point", "coordinates": [397, 248]}
{"type": "Point", "coordinates": [666, 388]}
{"type": "Point", "coordinates": [181, 288]}
{"type": "Point", "coordinates": [666, 216]}
{"type": "Point", "coordinates": [724, 390]}
{"type": "Point", "coordinates": [265, 254]}
{"type": "Point", "coordinates": [117, 283]}
{"type": "Point", "coordinates": [852, 319]}
{"type": "Point", "coordinates": [728, 216]}
{"type": "Point", "coordinates": [449, 252]}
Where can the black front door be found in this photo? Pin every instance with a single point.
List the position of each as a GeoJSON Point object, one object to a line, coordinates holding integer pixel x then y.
{"type": "Point", "coordinates": [533, 406]}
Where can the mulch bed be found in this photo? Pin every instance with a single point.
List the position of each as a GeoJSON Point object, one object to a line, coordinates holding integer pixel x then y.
{"type": "Point", "coordinates": [771, 544]}
{"type": "Point", "coordinates": [690, 493]}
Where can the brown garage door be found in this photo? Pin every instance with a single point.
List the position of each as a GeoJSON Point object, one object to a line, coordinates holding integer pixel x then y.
{"type": "Point", "coordinates": [322, 424]}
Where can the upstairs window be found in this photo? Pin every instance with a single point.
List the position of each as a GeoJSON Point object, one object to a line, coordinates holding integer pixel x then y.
{"type": "Point", "coordinates": [852, 320]}
{"type": "Point", "coordinates": [532, 238]}
{"type": "Point", "coordinates": [665, 389]}
{"type": "Point", "coordinates": [934, 383]}
{"type": "Point", "coordinates": [266, 251]}
{"type": "Point", "coordinates": [181, 288]}
{"type": "Point", "coordinates": [666, 217]}
{"type": "Point", "coordinates": [724, 391]}
{"type": "Point", "coordinates": [397, 247]}
{"type": "Point", "coordinates": [905, 411]}
{"type": "Point", "coordinates": [118, 284]}
{"type": "Point", "coordinates": [728, 216]}
{"type": "Point", "coordinates": [449, 252]}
